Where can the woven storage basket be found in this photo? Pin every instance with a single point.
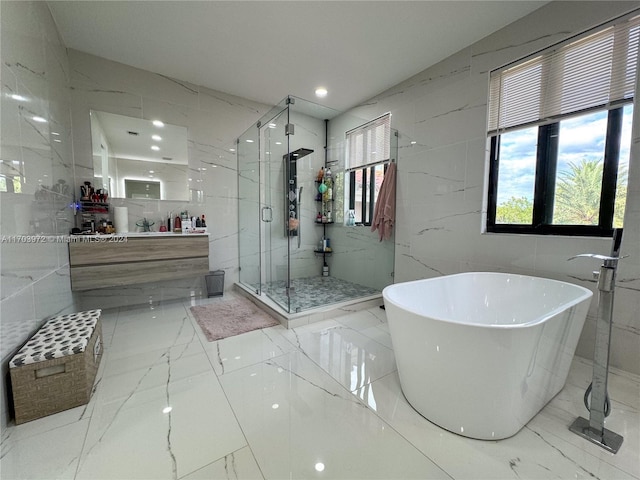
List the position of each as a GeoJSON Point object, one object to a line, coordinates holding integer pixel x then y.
{"type": "Point", "coordinates": [50, 386]}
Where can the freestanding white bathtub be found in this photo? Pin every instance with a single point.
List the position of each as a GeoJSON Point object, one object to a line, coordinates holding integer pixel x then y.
{"type": "Point", "coordinates": [481, 353]}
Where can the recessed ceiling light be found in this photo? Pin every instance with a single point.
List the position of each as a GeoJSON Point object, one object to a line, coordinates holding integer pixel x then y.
{"type": "Point", "coordinates": [272, 125]}
{"type": "Point", "coordinates": [158, 123]}
{"type": "Point", "coordinates": [55, 133]}
{"type": "Point", "coordinates": [167, 409]}
{"type": "Point", "coordinates": [278, 143]}
{"type": "Point", "coordinates": [232, 149]}
{"type": "Point", "coordinates": [157, 138]}
{"type": "Point", "coordinates": [249, 140]}
{"type": "Point", "coordinates": [17, 97]}
{"type": "Point", "coordinates": [152, 171]}
{"type": "Point", "coordinates": [413, 142]}
{"type": "Point", "coordinates": [321, 92]}
{"type": "Point", "coordinates": [40, 119]}
{"type": "Point", "coordinates": [155, 147]}
{"type": "Point", "coordinates": [57, 141]}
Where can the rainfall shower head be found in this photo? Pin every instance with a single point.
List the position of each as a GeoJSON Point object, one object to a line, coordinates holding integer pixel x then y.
{"type": "Point", "coordinates": [299, 153]}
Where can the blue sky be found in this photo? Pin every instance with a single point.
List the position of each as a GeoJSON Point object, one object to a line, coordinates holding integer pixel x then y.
{"type": "Point", "coordinates": [580, 138]}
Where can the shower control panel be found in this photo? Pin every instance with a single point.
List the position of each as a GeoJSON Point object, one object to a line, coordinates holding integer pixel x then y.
{"type": "Point", "coordinates": [292, 201]}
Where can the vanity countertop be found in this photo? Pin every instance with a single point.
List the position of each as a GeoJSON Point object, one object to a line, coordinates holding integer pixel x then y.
{"type": "Point", "coordinates": [161, 234]}
{"type": "Point", "coordinates": [142, 235]}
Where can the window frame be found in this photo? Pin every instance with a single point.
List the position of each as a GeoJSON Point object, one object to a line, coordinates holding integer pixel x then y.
{"type": "Point", "coordinates": [367, 201]}
{"type": "Point", "coordinates": [545, 178]}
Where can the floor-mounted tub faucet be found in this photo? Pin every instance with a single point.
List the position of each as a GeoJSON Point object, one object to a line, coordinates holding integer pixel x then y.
{"type": "Point", "coordinates": [593, 429]}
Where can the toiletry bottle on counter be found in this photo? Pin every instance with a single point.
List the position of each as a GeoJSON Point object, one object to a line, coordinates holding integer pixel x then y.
{"type": "Point", "coordinates": [177, 225]}
{"type": "Point", "coordinates": [204, 223]}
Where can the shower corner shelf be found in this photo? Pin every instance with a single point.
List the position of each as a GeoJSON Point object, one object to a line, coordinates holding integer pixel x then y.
{"type": "Point", "coordinates": [322, 252]}
{"type": "Point", "coordinates": [323, 223]}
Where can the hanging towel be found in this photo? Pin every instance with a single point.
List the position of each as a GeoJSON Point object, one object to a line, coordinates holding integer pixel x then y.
{"type": "Point", "coordinates": [385, 208]}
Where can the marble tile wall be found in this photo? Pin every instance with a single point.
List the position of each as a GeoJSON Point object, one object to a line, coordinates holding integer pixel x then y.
{"type": "Point", "coordinates": [213, 119]}
{"type": "Point", "coordinates": [441, 177]}
{"type": "Point", "coordinates": [37, 175]}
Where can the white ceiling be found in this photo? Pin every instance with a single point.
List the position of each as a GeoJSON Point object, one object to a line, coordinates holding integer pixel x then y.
{"type": "Point", "coordinates": [265, 50]}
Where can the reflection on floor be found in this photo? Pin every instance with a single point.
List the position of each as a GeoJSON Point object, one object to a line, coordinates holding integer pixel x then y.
{"type": "Point", "coordinates": [318, 401]}
{"type": "Point", "coordinates": [312, 292]}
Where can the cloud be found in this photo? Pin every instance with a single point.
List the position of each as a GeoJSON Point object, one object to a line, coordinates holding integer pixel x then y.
{"type": "Point", "coordinates": [580, 138]}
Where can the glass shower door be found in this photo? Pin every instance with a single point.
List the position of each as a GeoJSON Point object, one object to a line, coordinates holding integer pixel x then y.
{"type": "Point", "coordinates": [249, 209]}
{"type": "Point", "coordinates": [274, 146]}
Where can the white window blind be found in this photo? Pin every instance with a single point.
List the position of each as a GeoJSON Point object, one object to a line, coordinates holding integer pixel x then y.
{"type": "Point", "coordinates": [595, 70]}
{"type": "Point", "coordinates": [369, 143]}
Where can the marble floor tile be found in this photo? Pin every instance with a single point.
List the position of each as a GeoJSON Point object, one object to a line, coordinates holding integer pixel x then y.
{"type": "Point", "coordinates": [54, 453]}
{"type": "Point", "coordinates": [319, 401]}
{"type": "Point", "coordinates": [350, 357]}
{"type": "Point", "coordinates": [237, 352]}
{"type": "Point", "coordinates": [236, 465]}
{"type": "Point", "coordinates": [301, 423]}
{"type": "Point", "coordinates": [532, 453]}
{"type": "Point", "coordinates": [179, 430]}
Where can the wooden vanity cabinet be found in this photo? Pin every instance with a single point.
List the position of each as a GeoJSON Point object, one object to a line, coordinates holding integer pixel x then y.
{"type": "Point", "coordinates": [114, 261]}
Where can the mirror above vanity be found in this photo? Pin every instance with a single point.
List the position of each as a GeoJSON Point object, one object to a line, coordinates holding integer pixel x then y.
{"type": "Point", "coordinates": [139, 159]}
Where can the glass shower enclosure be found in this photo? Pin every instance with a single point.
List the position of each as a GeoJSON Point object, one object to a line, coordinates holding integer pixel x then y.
{"type": "Point", "coordinates": [278, 163]}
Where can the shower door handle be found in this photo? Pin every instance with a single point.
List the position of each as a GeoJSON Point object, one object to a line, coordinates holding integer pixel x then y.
{"type": "Point", "coordinates": [264, 216]}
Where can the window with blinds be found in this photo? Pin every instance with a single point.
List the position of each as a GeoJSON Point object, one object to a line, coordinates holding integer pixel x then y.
{"type": "Point", "coordinates": [369, 143]}
{"type": "Point", "coordinates": [594, 71]}
{"type": "Point", "coordinates": [560, 125]}
{"type": "Point", "coordinates": [368, 153]}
